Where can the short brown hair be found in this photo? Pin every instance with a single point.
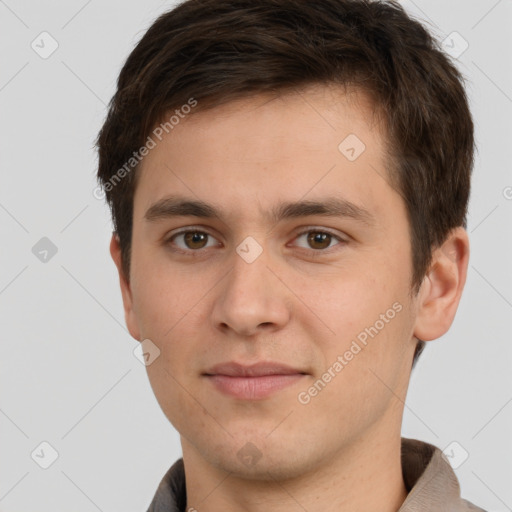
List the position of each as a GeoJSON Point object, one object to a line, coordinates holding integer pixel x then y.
{"type": "Point", "coordinates": [215, 51]}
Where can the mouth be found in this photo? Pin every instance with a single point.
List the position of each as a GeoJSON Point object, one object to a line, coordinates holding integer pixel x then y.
{"type": "Point", "coordinates": [252, 382]}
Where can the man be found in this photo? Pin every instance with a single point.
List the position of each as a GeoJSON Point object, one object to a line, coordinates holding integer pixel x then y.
{"type": "Point", "coordinates": [289, 184]}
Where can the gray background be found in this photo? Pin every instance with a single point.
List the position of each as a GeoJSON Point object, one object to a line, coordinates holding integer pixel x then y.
{"type": "Point", "coordinates": [68, 373]}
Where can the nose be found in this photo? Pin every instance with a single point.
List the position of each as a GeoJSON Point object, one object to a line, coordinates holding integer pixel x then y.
{"type": "Point", "coordinates": [251, 300]}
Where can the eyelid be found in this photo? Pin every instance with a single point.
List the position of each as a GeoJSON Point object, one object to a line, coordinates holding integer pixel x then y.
{"type": "Point", "coordinates": [186, 229]}
{"type": "Point", "coordinates": [320, 229]}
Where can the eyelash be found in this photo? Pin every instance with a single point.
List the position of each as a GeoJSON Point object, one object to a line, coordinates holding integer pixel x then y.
{"type": "Point", "coordinates": [169, 241]}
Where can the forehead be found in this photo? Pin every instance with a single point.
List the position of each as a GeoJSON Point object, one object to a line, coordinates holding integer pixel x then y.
{"type": "Point", "coordinates": [306, 115]}
{"type": "Point", "coordinates": [258, 149]}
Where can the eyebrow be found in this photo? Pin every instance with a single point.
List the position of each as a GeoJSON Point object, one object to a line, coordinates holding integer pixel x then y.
{"type": "Point", "coordinates": [175, 206]}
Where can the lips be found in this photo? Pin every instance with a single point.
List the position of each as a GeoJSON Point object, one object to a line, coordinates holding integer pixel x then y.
{"type": "Point", "coordinates": [252, 382]}
{"type": "Point", "coordinates": [261, 369]}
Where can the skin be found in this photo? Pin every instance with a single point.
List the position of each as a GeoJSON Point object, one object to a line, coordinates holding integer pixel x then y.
{"type": "Point", "coordinates": [297, 303]}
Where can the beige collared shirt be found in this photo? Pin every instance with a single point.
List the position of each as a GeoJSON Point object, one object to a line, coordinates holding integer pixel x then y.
{"type": "Point", "coordinates": [429, 479]}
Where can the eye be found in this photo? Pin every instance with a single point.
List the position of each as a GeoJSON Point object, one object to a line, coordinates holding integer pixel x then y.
{"type": "Point", "coordinates": [317, 240]}
{"type": "Point", "coordinates": [192, 240]}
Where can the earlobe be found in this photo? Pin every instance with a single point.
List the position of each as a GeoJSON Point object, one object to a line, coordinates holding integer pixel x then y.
{"type": "Point", "coordinates": [126, 292]}
{"type": "Point", "coordinates": [442, 287]}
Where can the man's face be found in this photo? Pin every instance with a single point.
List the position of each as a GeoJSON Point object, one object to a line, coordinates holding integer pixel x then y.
{"type": "Point", "coordinates": [326, 295]}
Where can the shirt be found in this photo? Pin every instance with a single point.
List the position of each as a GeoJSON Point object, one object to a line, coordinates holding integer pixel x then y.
{"type": "Point", "coordinates": [430, 481]}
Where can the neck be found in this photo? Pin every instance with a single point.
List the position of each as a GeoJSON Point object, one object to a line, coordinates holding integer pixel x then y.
{"type": "Point", "coordinates": [367, 476]}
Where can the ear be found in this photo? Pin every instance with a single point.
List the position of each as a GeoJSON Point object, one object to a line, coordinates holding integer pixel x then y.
{"type": "Point", "coordinates": [129, 315]}
{"type": "Point", "coordinates": [441, 289]}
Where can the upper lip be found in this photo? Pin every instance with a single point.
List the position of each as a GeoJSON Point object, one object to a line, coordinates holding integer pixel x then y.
{"type": "Point", "coordinates": [233, 369]}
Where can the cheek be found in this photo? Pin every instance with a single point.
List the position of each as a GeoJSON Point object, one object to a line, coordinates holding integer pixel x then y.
{"type": "Point", "coordinates": [172, 393]}
{"type": "Point", "coordinates": [369, 312]}
{"type": "Point", "coordinates": [162, 296]}
{"type": "Point", "coordinates": [369, 363]}
{"type": "Point", "coordinates": [352, 300]}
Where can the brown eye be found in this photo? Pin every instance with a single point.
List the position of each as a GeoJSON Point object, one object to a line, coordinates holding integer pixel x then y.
{"type": "Point", "coordinates": [318, 240]}
{"type": "Point", "coordinates": [191, 241]}
{"type": "Point", "coordinates": [195, 239]}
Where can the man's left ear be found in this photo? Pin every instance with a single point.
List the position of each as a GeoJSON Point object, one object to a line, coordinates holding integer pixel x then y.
{"type": "Point", "coordinates": [441, 289]}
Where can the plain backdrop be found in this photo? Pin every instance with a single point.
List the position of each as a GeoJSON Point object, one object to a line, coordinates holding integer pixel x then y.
{"type": "Point", "coordinates": [68, 375]}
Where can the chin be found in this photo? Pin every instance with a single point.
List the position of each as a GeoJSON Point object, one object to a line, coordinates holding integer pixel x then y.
{"type": "Point", "coordinates": [260, 458]}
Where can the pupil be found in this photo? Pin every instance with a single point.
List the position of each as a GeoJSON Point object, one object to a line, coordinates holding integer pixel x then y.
{"type": "Point", "coordinates": [323, 239]}
{"type": "Point", "coordinates": [196, 240]}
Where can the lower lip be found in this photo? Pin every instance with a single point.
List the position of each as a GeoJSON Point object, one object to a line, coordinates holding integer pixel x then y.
{"type": "Point", "coordinates": [253, 388]}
